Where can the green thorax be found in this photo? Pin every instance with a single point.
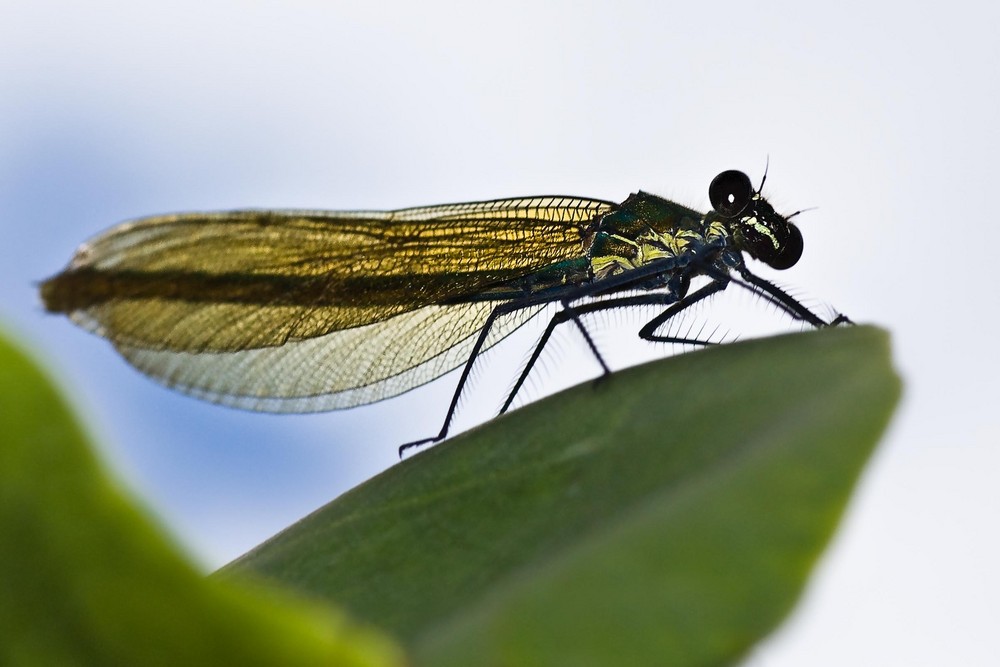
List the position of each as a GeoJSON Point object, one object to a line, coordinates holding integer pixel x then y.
{"type": "Point", "coordinates": [646, 228]}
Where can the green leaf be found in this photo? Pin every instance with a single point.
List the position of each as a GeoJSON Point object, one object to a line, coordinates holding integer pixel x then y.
{"type": "Point", "coordinates": [85, 579]}
{"type": "Point", "coordinates": [669, 516]}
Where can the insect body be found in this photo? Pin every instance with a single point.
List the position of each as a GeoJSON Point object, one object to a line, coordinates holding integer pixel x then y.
{"type": "Point", "coordinates": [302, 311]}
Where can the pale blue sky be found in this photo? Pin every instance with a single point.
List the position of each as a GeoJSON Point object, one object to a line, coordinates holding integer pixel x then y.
{"type": "Point", "coordinates": [883, 115]}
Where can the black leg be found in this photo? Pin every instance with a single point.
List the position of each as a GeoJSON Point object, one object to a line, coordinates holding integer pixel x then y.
{"type": "Point", "coordinates": [497, 312]}
{"type": "Point", "coordinates": [781, 298]}
{"type": "Point", "coordinates": [659, 299]}
{"type": "Point", "coordinates": [720, 280]}
{"type": "Point", "coordinates": [647, 331]}
{"type": "Point", "coordinates": [568, 313]}
{"type": "Point", "coordinates": [557, 319]}
{"type": "Point", "coordinates": [573, 315]}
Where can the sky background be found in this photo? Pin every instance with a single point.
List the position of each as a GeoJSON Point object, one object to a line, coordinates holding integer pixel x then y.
{"type": "Point", "coordinates": [883, 115]}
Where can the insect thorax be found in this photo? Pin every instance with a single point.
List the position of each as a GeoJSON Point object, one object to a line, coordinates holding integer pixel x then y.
{"type": "Point", "coordinates": [646, 228]}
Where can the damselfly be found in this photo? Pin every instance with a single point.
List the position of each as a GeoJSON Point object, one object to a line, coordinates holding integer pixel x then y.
{"type": "Point", "coordinates": [302, 311]}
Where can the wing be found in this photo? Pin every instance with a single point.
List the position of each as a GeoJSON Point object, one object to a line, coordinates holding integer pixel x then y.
{"type": "Point", "coordinates": [338, 370]}
{"type": "Point", "coordinates": [309, 310]}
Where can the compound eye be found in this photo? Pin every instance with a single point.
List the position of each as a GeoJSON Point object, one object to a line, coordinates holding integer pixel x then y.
{"type": "Point", "coordinates": [791, 250]}
{"type": "Point", "coordinates": [730, 192]}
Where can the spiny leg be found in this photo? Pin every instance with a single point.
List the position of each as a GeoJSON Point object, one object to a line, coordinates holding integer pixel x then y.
{"type": "Point", "coordinates": [616, 284]}
{"type": "Point", "coordinates": [575, 316]}
{"type": "Point", "coordinates": [568, 313]}
{"type": "Point", "coordinates": [562, 316]}
{"type": "Point", "coordinates": [496, 313]}
{"type": "Point", "coordinates": [720, 281]}
{"type": "Point", "coordinates": [574, 313]}
{"type": "Point", "coordinates": [647, 331]}
{"type": "Point", "coordinates": [783, 299]}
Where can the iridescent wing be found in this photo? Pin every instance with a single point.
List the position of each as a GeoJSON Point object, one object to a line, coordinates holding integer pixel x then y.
{"type": "Point", "coordinates": [295, 311]}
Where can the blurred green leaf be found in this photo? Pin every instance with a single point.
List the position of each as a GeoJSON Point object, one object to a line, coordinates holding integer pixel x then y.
{"type": "Point", "coordinates": [668, 517]}
{"type": "Point", "coordinates": [85, 579]}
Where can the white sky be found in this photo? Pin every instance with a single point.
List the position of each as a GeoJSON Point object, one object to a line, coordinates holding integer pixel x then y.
{"type": "Point", "coordinates": [882, 115]}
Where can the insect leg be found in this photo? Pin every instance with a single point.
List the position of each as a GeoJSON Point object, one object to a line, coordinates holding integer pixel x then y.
{"type": "Point", "coordinates": [496, 313]}
{"type": "Point", "coordinates": [574, 313]}
{"type": "Point", "coordinates": [556, 320]}
{"type": "Point", "coordinates": [659, 299]}
{"type": "Point", "coordinates": [568, 313]}
{"type": "Point", "coordinates": [575, 316]}
{"type": "Point", "coordinates": [783, 299]}
{"type": "Point", "coordinates": [647, 331]}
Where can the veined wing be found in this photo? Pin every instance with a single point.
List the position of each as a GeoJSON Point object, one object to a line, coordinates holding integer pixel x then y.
{"type": "Point", "coordinates": [220, 282]}
{"type": "Point", "coordinates": [343, 305]}
{"type": "Point", "coordinates": [338, 370]}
